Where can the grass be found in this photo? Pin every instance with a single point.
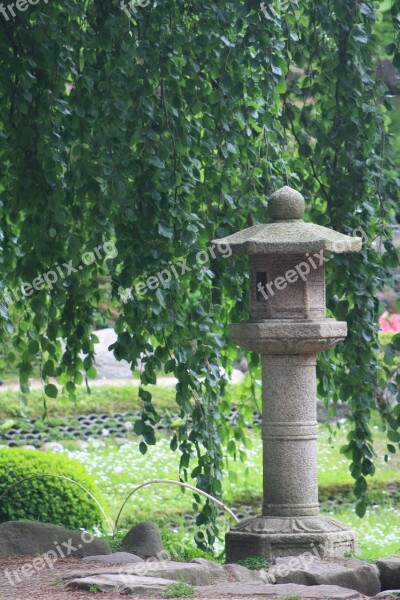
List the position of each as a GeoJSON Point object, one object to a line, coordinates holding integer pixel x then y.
{"type": "Point", "coordinates": [254, 563]}
{"type": "Point", "coordinates": [179, 589]}
{"type": "Point", "coordinates": [182, 547]}
{"type": "Point", "coordinates": [102, 399]}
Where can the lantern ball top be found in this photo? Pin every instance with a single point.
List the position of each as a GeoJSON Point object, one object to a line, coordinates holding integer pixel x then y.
{"type": "Point", "coordinates": [288, 233]}
{"type": "Point", "coordinates": [286, 203]}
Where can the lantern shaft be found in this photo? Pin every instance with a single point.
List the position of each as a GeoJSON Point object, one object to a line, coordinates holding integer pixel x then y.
{"type": "Point", "coordinates": [289, 435]}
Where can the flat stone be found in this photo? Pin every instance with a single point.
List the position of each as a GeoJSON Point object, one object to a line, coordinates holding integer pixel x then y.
{"type": "Point", "coordinates": [218, 571]}
{"type": "Point", "coordinates": [243, 574]}
{"type": "Point", "coordinates": [331, 592]}
{"type": "Point", "coordinates": [388, 595]}
{"type": "Point", "coordinates": [123, 584]}
{"type": "Point", "coordinates": [116, 558]}
{"type": "Point", "coordinates": [191, 573]}
{"type": "Point", "coordinates": [389, 570]}
{"type": "Point", "coordinates": [27, 538]}
{"type": "Point", "coordinates": [307, 569]}
{"type": "Point", "coordinates": [143, 539]}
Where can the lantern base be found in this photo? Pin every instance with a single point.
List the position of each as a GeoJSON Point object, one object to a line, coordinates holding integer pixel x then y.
{"type": "Point", "coordinates": [271, 537]}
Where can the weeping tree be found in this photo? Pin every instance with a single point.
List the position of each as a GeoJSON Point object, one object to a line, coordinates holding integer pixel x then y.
{"type": "Point", "coordinates": [133, 134]}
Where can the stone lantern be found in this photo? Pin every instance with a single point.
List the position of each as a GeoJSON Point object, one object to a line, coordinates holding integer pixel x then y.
{"type": "Point", "coordinates": [288, 326]}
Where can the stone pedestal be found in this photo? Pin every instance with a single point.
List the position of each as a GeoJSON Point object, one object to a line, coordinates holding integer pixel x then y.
{"type": "Point", "coordinates": [270, 537]}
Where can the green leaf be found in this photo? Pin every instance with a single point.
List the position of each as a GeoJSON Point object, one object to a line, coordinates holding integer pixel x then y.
{"type": "Point", "coordinates": [169, 366]}
{"type": "Point", "coordinates": [91, 373]}
{"type": "Point", "coordinates": [51, 390]}
{"type": "Point", "coordinates": [138, 427]}
{"type": "Point", "coordinates": [164, 230]}
{"type": "Point", "coordinates": [33, 347]}
{"type": "Point", "coordinates": [361, 509]}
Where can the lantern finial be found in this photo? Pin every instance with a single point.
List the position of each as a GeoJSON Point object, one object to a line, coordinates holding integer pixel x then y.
{"type": "Point", "coordinates": [285, 204]}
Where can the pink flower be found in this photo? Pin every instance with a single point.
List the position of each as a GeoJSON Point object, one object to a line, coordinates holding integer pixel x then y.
{"type": "Point", "coordinates": [389, 322]}
{"type": "Point", "coordinates": [395, 322]}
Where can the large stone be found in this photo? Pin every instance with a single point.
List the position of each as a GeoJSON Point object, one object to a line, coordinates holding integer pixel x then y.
{"type": "Point", "coordinates": [325, 592]}
{"type": "Point", "coordinates": [117, 558]}
{"type": "Point", "coordinates": [350, 573]}
{"type": "Point", "coordinates": [123, 584]}
{"type": "Point", "coordinates": [143, 539]}
{"type": "Point", "coordinates": [389, 569]}
{"type": "Point", "coordinates": [107, 366]}
{"type": "Point", "coordinates": [26, 538]}
{"type": "Point", "coordinates": [191, 573]}
{"type": "Point", "coordinates": [388, 595]}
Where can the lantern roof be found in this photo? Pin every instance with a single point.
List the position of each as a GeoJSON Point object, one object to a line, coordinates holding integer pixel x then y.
{"type": "Point", "coordinates": [288, 233]}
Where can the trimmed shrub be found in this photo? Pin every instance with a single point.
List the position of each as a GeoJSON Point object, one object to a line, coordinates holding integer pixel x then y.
{"type": "Point", "coordinates": [47, 499]}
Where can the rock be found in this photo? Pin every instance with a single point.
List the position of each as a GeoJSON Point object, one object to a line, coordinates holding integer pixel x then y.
{"type": "Point", "coordinates": [107, 366]}
{"type": "Point", "coordinates": [123, 584]}
{"type": "Point", "coordinates": [52, 446]}
{"type": "Point", "coordinates": [333, 592]}
{"type": "Point", "coordinates": [389, 570]}
{"type": "Point", "coordinates": [29, 447]}
{"type": "Point", "coordinates": [26, 538]}
{"type": "Point", "coordinates": [82, 444]}
{"type": "Point", "coordinates": [191, 573]}
{"type": "Point", "coordinates": [218, 571]}
{"type": "Point", "coordinates": [243, 574]}
{"type": "Point", "coordinates": [388, 595]}
{"type": "Point", "coordinates": [116, 558]}
{"type": "Point", "coordinates": [309, 570]}
{"type": "Point", "coordinates": [143, 539]}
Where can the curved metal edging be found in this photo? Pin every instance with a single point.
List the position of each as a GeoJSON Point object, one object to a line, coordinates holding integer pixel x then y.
{"type": "Point", "coordinates": [172, 482]}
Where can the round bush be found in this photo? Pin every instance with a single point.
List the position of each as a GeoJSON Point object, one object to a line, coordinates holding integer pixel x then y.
{"type": "Point", "coordinates": [47, 499]}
